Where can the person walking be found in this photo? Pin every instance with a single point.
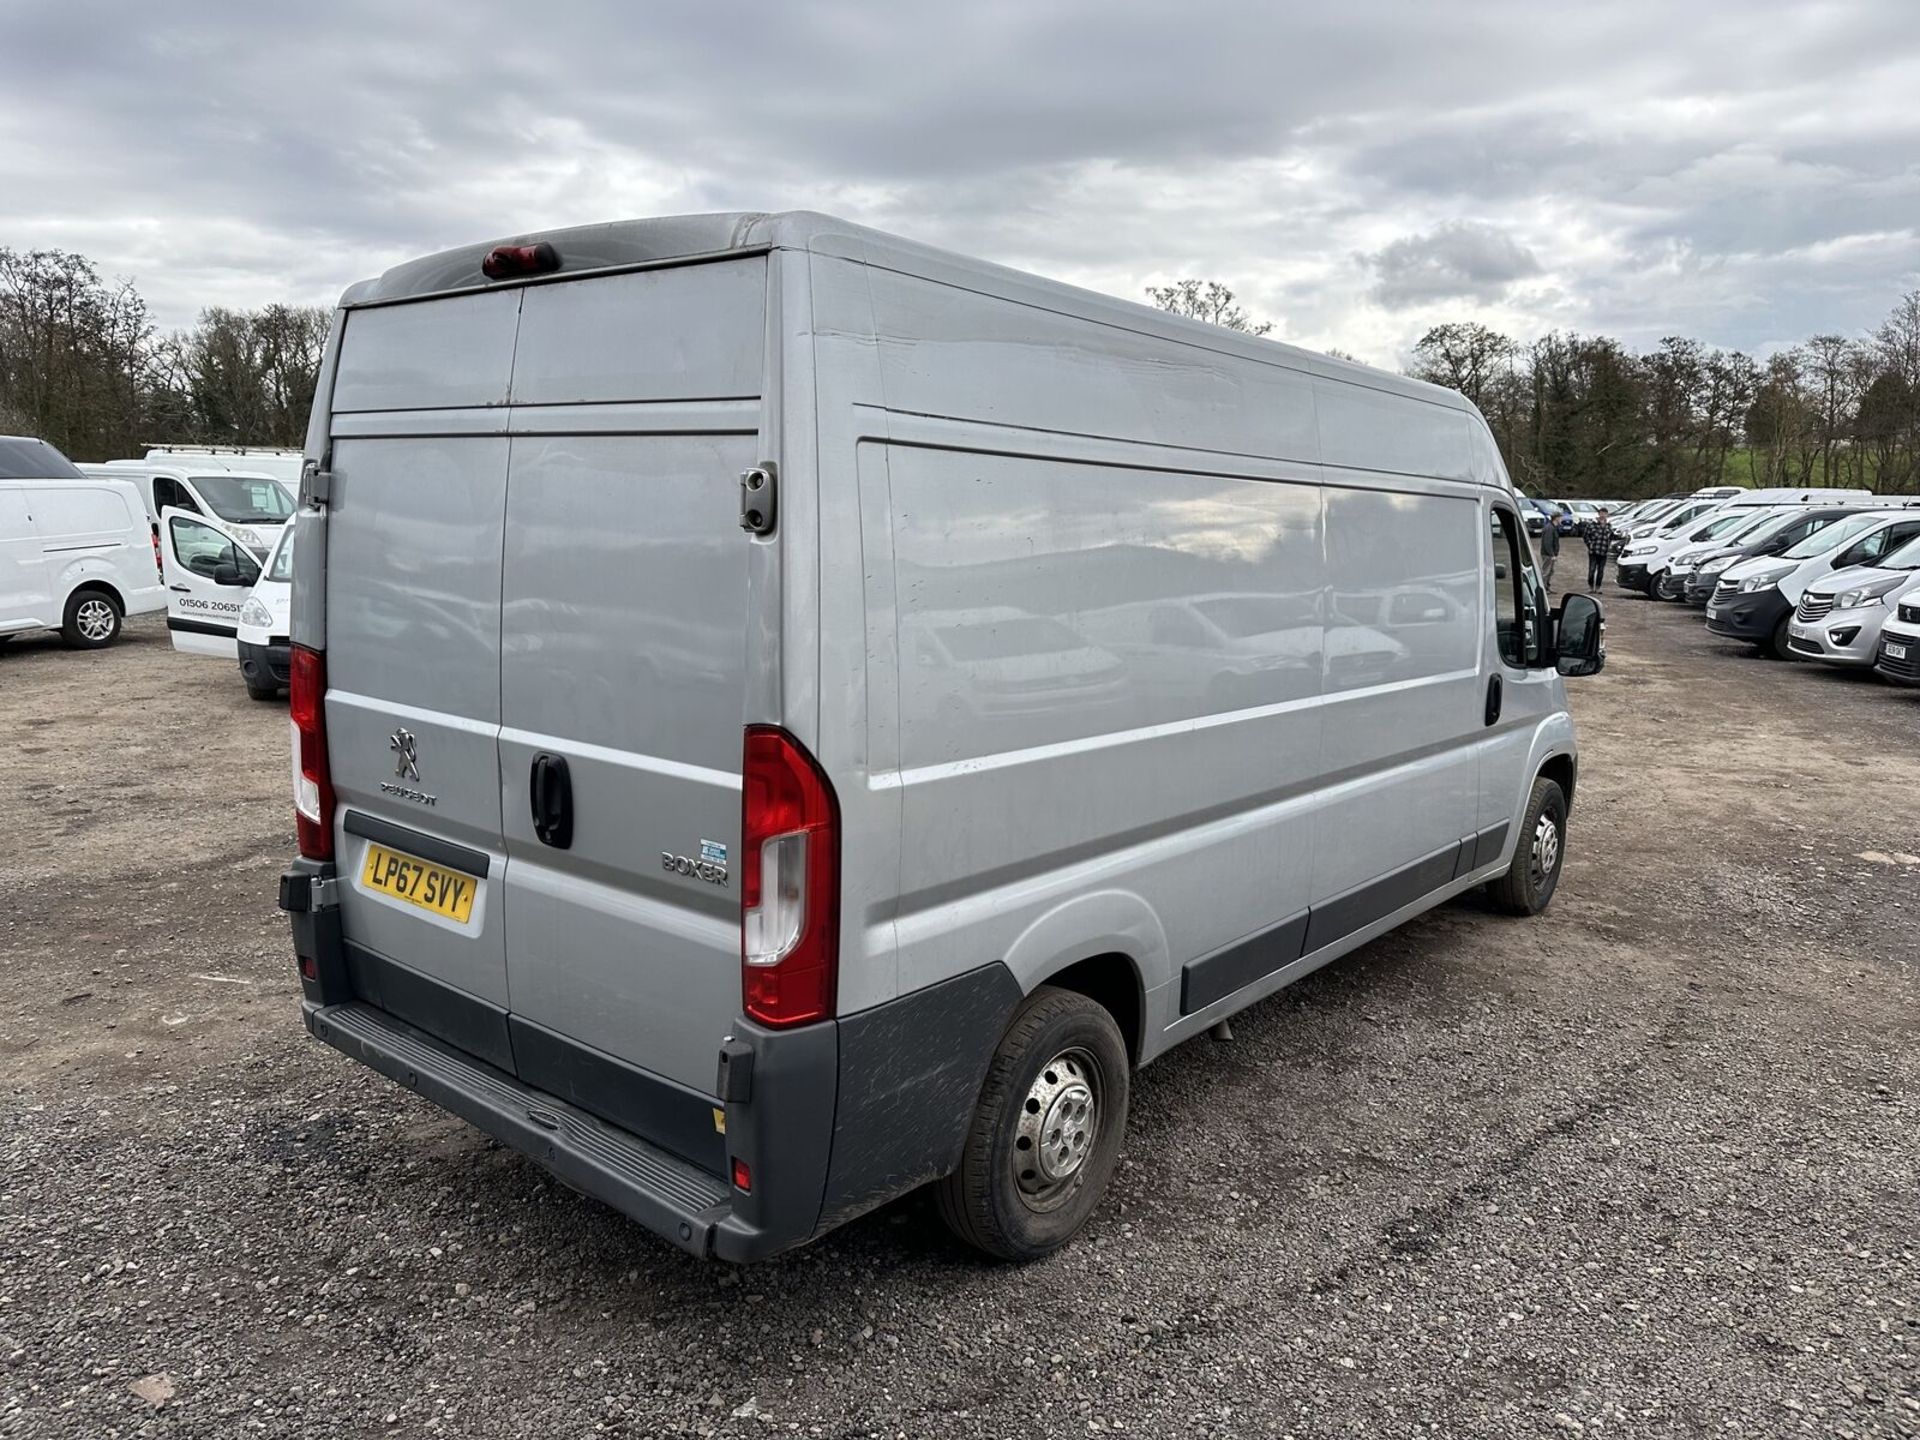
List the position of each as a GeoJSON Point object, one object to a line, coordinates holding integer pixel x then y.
{"type": "Point", "coordinates": [1599, 537]}
{"type": "Point", "coordinates": [1549, 547]}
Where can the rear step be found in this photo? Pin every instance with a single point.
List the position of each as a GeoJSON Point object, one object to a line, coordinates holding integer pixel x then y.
{"type": "Point", "coordinates": [677, 1201]}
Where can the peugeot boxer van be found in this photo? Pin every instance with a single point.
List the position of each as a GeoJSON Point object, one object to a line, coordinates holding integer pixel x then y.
{"type": "Point", "coordinates": [76, 555]}
{"type": "Point", "coordinates": [784, 715]}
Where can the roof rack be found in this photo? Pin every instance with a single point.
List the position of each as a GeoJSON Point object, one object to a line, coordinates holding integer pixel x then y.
{"type": "Point", "coordinates": [174, 449]}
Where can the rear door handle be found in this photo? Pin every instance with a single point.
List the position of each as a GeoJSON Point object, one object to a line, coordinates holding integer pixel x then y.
{"type": "Point", "coordinates": [550, 795]}
{"type": "Point", "coordinates": [1493, 698]}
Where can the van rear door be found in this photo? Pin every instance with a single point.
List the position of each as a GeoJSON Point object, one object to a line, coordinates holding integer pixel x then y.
{"type": "Point", "coordinates": [623, 686]}
{"type": "Point", "coordinates": [208, 575]}
{"type": "Point", "coordinates": [536, 612]}
{"type": "Point", "coordinates": [413, 533]}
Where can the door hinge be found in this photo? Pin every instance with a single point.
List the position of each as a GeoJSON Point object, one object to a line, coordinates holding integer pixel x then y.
{"type": "Point", "coordinates": [316, 483]}
{"type": "Point", "coordinates": [759, 499]}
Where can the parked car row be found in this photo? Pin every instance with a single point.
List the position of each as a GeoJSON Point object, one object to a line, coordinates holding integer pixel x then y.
{"type": "Point", "coordinates": [1830, 575]}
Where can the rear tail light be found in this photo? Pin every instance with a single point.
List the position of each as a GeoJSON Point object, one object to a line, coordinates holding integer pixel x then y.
{"type": "Point", "coordinates": [312, 785]}
{"type": "Point", "coordinates": [156, 556]}
{"type": "Point", "coordinates": [503, 262]}
{"type": "Point", "coordinates": [790, 882]}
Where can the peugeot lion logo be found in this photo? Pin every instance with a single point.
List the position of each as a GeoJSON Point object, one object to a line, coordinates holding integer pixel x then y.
{"type": "Point", "coordinates": [406, 756]}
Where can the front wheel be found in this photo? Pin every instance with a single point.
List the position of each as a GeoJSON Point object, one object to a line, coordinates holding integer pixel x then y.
{"type": "Point", "coordinates": [1776, 643]}
{"type": "Point", "coordinates": [1529, 883]}
{"type": "Point", "coordinates": [92, 621]}
{"type": "Point", "coordinates": [1046, 1134]}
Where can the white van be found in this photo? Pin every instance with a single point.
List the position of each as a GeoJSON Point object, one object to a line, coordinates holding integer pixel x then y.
{"type": "Point", "coordinates": [251, 505]}
{"type": "Point", "coordinates": [221, 604]}
{"type": "Point", "coordinates": [785, 715]}
{"type": "Point", "coordinates": [1756, 599]}
{"type": "Point", "coordinates": [76, 554]}
{"type": "Point", "coordinates": [282, 465]}
{"type": "Point", "coordinates": [1644, 563]}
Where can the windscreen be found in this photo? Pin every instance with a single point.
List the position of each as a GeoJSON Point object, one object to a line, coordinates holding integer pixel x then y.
{"type": "Point", "coordinates": [1748, 524]}
{"type": "Point", "coordinates": [1726, 525]}
{"type": "Point", "coordinates": [1907, 557]}
{"type": "Point", "coordinates": [1838, 533]}
{"type": "Point", "coordinates": [245, 499]}
{"type": "Point", "coordinates": [22, 459]}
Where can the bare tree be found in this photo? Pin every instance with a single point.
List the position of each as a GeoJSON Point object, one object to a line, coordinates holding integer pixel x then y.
{"type": "Point", "coordinates": [1207, 300]}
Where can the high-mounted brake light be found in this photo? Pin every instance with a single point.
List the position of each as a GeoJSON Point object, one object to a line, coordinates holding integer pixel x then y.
{"type": "Point", "coordinates": [504, 262]}
{"type": "Point", "coordinates": [312, 783]}
{"type": "Point", "coordinates": [789, 884]}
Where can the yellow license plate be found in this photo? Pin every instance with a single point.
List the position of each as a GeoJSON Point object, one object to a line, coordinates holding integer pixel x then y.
{"type": "Point", "coordinates": [431, 887]}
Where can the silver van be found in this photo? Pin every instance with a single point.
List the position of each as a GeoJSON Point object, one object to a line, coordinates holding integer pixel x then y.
{"type": "Point", "coordinates": [784, 715]}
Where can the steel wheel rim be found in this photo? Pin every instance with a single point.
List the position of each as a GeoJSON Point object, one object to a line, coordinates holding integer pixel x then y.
{"type": "Point", "coordinates": [1546, 851]}
{"type": "Point", "coordinates": [95, 619]}
{"type": "Point", "coordinates": [1058, 1130]}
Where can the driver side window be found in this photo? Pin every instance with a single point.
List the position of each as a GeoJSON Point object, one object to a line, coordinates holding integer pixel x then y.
{"type": "Point", "coordinates": [201, 548]}
{"type": "Point", "coordinates": [1514, 586]}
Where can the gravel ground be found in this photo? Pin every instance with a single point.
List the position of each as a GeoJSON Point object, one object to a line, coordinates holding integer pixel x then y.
{"type": "Point", "coordinates": [1647, 1165]}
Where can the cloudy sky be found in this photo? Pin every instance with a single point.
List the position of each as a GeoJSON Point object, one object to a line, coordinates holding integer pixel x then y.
{"type": "Point", "coordinates": [1743, 171]}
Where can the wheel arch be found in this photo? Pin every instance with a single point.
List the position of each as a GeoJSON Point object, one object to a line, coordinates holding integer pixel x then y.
{"type": "Point", "coordinates": [1108, 946]}
{"type": "Point", "coordinates": [1563, 769]}
{"type": "Point", "coordinates": [95, 582]}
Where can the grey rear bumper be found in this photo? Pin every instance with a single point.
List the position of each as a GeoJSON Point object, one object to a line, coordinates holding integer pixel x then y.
{"type": "Point", "coordinates": [674, 1199]}
{"type": "Point", "coordinates": [831, 1119]}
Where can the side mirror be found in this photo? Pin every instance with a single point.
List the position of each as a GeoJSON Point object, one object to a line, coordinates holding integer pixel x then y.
{"type": "Point", "coordinates": [232, 569]}
{"type": "Point", "coordinates": [1580, 636]}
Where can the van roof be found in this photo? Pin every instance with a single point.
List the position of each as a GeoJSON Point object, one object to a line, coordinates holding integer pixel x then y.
{"type": "Point", "coordinates": [179, 471]}
{"type": "Point", "coordinates": [679, 239]}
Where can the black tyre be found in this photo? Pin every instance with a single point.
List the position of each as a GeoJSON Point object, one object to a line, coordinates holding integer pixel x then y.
{"type": "Point", "coordinates": [1046, 1133]}
{"type": "Point", "coordinates": [1528, 885]}
{"type": "Point", "coordinates": [92, 621]}
{"type": "Point", "coordinates": [1776, 643]}
{"type": "Point", "coordinates": [269, 691]}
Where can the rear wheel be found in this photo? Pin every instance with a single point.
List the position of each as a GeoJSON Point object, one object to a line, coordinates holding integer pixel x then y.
{"type": "Point", "coordinates": [1046, 1134]}
{"type": "Point", "coordinates": [1531, 879]}
{"type": "Point", "coordinates": [92, 620]}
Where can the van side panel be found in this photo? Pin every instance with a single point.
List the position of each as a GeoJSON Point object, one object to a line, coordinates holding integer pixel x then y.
{"type": "Point", "coordinates": [1108, 681]}
{"type": "Point", "coordinates": [1403, 709]}
{"type": "Point", "coordinates": [951, 352]}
